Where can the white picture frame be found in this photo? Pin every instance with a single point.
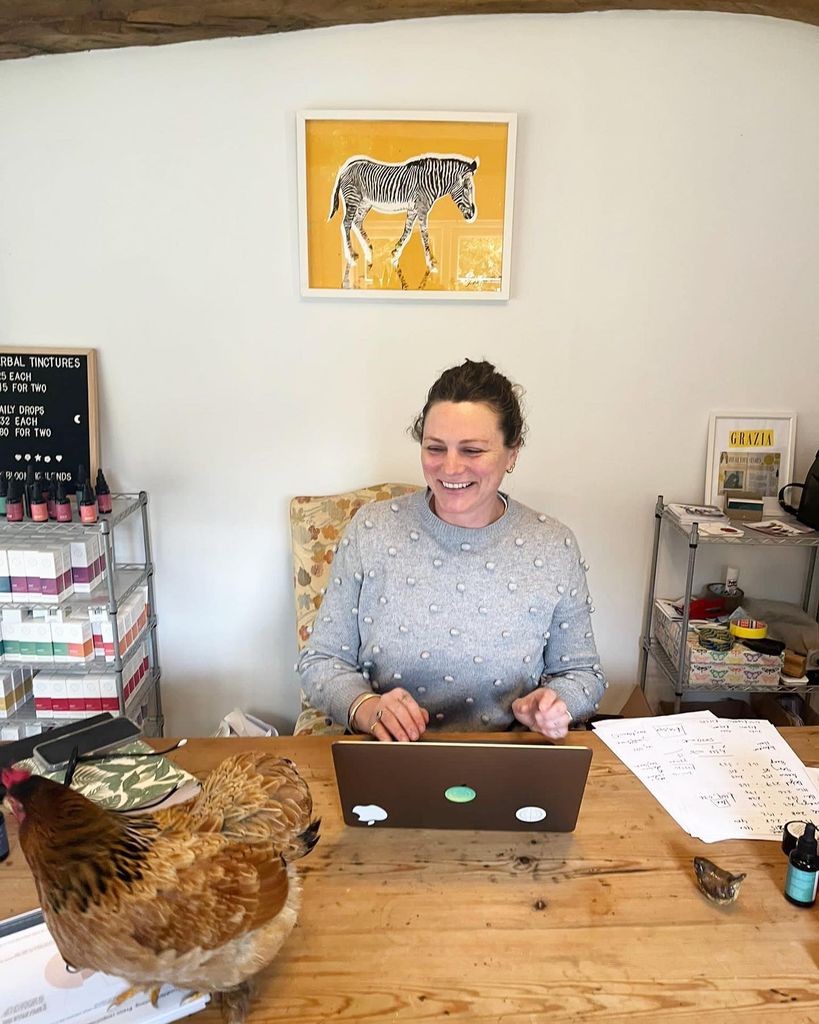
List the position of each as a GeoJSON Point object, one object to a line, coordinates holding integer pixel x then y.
{"type": "Point", "coordinates": [438, 254]}
{"type": "Point", "coordinates": [752, 451]}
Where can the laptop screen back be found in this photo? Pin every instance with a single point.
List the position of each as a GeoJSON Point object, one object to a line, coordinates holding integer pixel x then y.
{"type": "Point", "coordinates": [522, 787]}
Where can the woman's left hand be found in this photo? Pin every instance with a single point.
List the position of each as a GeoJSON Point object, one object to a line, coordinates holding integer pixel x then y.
{"type": "Point", "coordinates": [544, 712]}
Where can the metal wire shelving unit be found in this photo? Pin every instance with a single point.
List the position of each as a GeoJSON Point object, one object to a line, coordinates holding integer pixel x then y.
{"type": "Point", "coordinates": [650, 646]}
{"type": "Point", "coordinates": [120, 580]}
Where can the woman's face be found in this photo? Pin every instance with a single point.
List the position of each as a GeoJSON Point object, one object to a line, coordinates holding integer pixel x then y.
{"type": "Point", "coordinates": [464, 458]}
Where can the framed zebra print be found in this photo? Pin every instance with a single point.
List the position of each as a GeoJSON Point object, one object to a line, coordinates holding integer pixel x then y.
{"type": "Point", "coordinates": [405, 205]}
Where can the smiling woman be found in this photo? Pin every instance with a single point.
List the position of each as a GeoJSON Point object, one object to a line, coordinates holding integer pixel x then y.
{"type": "Point", "coordinates": [470, 431]}
{"type": "Point", "coordinates": [458, 609]}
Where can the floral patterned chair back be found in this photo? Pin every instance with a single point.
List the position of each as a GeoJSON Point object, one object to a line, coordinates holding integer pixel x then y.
{"type": "Point", "coordinates": [316, 524]}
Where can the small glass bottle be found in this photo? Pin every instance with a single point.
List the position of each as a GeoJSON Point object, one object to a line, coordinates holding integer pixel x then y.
{"type": "Point", "coordinates": [38, 506]}
{"type": "Point", "coordinates": [803, 870]}
{"type": "Point", "coordinates": [27, 490]}
{"type": "Point", "coordinates": [4, 839]}
{"type": "Point", "coordinates": [14, 502]}
{"type": "Point", "coordinates": [104, 503]}
{"type": "Point", "coordinates": [88, 504]}
{"type": "Point", "coordinates": [62, 506]}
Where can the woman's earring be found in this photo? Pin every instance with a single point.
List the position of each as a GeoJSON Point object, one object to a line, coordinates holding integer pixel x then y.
{"type": "Point", "coordinates": [511, 468]}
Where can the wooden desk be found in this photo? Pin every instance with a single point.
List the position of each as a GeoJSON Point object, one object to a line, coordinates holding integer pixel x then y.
{"type": "Point", "coordinates": [605, 924]}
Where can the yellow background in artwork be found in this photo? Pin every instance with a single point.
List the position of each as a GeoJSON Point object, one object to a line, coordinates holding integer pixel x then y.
{"type": "Point", "coordinates": [468, 255]}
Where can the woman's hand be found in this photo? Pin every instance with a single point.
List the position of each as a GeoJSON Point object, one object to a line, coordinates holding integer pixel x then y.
{"type": "Point", "coordinates": [542, 711]}
{"type": "Point", "coordinates": [394, 716]}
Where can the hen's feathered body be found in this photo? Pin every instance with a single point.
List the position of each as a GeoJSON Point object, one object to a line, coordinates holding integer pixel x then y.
{"type": "Point", "coordinates": [201, 895]}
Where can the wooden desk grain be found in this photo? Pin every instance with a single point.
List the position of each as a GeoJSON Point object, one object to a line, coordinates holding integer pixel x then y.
{"type": "Point", "coordinates": [605, 924]}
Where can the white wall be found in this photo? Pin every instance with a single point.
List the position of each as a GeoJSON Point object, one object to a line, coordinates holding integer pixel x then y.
{"type": "Point", "coordinates": [665, 264]}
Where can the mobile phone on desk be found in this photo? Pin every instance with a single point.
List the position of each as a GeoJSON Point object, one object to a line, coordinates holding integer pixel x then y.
{"type": "Point", "coordinates": [96, 739]}
{"type": "Point", "coordinates": [17, 750]}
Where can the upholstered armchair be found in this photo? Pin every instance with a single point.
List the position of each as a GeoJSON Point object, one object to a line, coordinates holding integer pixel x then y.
{"type": "Point", "coordinates": [316, 524]}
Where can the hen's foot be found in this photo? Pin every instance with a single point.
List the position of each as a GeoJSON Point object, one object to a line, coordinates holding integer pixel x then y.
{"type": "Point", "coordinates": [194, 995]}
{"type": "Point", "coordinates": [135, 990]}
{"type": "Point", "coordinates": [236, 1003]}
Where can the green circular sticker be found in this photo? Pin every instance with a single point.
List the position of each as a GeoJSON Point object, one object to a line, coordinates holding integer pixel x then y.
{"type": "Point", "coordinates": [460, 794]}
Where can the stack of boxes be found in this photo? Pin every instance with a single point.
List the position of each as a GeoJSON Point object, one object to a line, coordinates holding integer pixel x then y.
{"type": "Point", "coordinates": [19, 730]}
{"type": "Point", "coordinates": [49, 575]}
{"type": "Point", "coordinates": [38, 640]}
{"type": "Point", "coordinates": [132, 617]}
{"type": "Point", "coordinates": [740, 666]}
{"type": "Point", "coordinates": [15, 689]}
{"type": "Point", "coordinates": [46, 636]}
{"type": "Point", "coordinates": [87, 562]}
{"type": "Point", "coordinates": [60, 695]}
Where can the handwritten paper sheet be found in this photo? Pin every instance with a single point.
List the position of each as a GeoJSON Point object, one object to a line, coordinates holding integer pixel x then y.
{"type": "Point", "coordinates": [718, 778]}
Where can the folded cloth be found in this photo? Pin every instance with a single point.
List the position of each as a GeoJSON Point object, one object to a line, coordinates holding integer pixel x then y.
{"type": "Point", "coordinates": [790, 624]}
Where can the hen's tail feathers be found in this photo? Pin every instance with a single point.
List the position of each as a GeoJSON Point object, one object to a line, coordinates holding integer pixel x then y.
{"type": "Point", "coordinates": [250, 797]}
{"type": "Point", "coordinates": [236, 1002]}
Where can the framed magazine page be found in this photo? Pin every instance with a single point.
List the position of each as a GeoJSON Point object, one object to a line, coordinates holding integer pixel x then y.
{"type": "Point", "coordinates": [750, 452]}
{"type": "Point", "coordinates": [405, 204]}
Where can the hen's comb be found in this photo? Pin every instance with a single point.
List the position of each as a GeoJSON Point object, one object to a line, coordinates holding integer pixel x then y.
{"type": "Point", "coordinates": [10, 776]}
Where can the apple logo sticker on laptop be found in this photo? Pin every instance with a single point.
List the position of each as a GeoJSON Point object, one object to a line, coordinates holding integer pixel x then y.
{"type": "Point", "coordinates": [371, 813]}
{"type": "Point", "coordinates": [530, 814]}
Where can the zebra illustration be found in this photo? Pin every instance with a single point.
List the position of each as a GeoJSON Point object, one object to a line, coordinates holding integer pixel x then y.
{"type": "Point", "coordinates": [412, 187]}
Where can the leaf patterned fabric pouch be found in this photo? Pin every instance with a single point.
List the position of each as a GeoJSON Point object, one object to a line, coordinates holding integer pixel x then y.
{"type": "Point", "coordinates": [123, 782]}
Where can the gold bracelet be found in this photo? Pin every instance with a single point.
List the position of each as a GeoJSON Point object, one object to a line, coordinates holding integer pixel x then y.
{"type": "Point", "coordinates": [356, 704]}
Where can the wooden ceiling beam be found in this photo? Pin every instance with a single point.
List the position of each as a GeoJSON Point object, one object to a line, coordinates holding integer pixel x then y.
{"type": "Point", "coordinates": [30, 27]}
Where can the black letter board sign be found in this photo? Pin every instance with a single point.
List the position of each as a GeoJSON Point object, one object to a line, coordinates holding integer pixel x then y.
{"type": "Point", "coordinates": [48, 412]}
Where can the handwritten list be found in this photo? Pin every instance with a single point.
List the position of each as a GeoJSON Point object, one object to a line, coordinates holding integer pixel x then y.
{"type": "Point", "coordinates": [718, 778]}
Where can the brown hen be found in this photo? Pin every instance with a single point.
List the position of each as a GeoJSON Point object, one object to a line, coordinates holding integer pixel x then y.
{"type": "Point", "coordinates": [200, 896]}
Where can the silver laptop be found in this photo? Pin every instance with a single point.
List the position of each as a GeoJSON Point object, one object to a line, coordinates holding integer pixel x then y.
{"type": "Point", "coordinates": [519, 787]}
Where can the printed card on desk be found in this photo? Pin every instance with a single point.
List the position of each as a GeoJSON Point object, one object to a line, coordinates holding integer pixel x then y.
{"type": "Point", "coordinates": [37, 987]}
{"type": "Point", "coordinates": [718, 778]}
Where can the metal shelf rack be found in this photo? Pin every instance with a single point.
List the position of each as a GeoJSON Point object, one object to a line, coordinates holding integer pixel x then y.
{"type": "Point", "coordinates": [651, 647]}
{"type": "Point", "coordinates": [119, 581]}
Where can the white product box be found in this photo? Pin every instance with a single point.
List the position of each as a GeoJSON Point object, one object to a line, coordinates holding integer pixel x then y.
{"type": "Point", "coordinates": [59, 697]}
{"type": "Point", "coordinates": [73, 642]}
{"type": "Point", "coordinates": [108, 692]}
{"type": "Point", "coordinates": [91, 693]}
{"type": "Point", "coordinates": [15, 690]}
{"type": "Point", "coordinates": [16, 615]}
{"type": "Point", "coordinates": [5, 577]}
{"type": "Point", "coordinates": [11, 641]}
{"type": "Point", "coordinates": [17, 572]}
{"type": "Point", "coordinates": [56, 581]}
{"type": "Point", "coordinates": [42, 695]}
{"type": "Point", "coordinates": [59, 613]}
{"type": "Point", "coordinates": [76, 696]}
{"type": "Point", "coordinates": [85, 563]}
{"type": "Point", "coordinates": [32, 562]}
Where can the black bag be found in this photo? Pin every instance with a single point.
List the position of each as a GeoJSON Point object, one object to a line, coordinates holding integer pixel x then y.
{"type": "Point", "coordinates": [808, 511]}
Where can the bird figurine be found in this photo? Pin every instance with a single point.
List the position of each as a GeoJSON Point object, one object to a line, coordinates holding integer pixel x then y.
{"type": "Point", "coordinates": [718, 885]}
{"type": "Point", "coordinates": [201, 895]}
